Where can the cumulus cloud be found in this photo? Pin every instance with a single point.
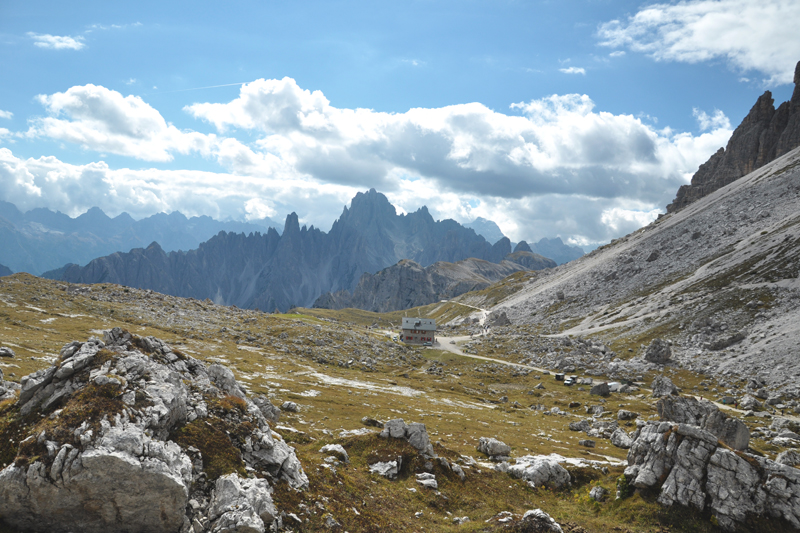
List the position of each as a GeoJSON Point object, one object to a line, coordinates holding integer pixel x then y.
{"type": "Point", "coordinates": [711, 122]}
{"type": "Point", "coordinates": [6, 114]}
{"type": "Point", "coordinates": [103, 120]}
{"type": "Point", "coordinates": [57, 42]}
{"type": "Point", "coordinates": [750, 36]}
{"type": "Point", "coordinates": [549, 166]}
{"type": "Point", "coordinates": [573, 70]}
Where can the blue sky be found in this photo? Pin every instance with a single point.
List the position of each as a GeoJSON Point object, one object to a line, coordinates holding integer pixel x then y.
{"type": "Point", "coordinates": [570, 118]}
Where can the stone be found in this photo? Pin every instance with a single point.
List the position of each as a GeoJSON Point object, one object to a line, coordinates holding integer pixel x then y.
{"type": "Point", "coordinates": [241, 504]}
{"type": "Point", "coordinates": [588, 443]}
{"type": "Point", "coordinates": [583, 425]}
{"type": "Point", "coordinates": [705, 415]}
{"type": "Point", "coordinates": [427, 480]}
{"type": "Point", "coordinates": [600, 389]}
{"type": "Point", "coordinates": [537, 521]}
{"type": "Point", "coordinates": [788, 458]}
{"type": "Point", "coordinates": [621, 439]}
{"type": "Point", "coordinates": [493, 447]}
{"type": "Point", "coordinates": [626, 415]}
{"type": "Point", "coordinates": [749, 403]}
{"type": "Point", "coordinates": [336, 450]}
{"type": "Point", "coordinates": [663, 386]}
{"type": "Point", "coordinates": [289, 407]}
{"type": "Point", "coordinates": [6, 352]}
{"type": "Point", "coordinates": [387, 469]}
{"type": "Point", "coordinates": [658, 352]}
{"type": "Point", "coordinates": [415, 433]}
{"type": "Point", "coordinates": [598, 493]}
{"type": "Point", "coordinates": [541, 470]}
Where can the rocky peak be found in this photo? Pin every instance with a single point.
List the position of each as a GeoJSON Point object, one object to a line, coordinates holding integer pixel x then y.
{"type": "Point", "coordinates": [764, 135]}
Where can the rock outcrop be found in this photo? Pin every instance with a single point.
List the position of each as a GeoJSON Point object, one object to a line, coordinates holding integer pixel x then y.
{"type": "Point", "coordinates": [126, 430]}
{"type": "Point", "coordinates": [704, 414]}
{"type": "Point", "coordinates": [688, 467]}
{"type": "Point", "coordinates": [765, 134]}
{"type": "Point", "coordinates": [5, 271]}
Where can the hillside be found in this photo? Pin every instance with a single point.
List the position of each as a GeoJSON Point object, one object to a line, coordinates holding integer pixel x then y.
{"type": "Point", "coordinates": [407, 284]}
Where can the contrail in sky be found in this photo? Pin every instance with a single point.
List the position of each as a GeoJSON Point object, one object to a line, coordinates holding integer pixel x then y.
{"type": "Point", "coordinates": [198, 88]}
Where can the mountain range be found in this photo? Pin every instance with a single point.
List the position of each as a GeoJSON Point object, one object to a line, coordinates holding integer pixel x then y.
{"type": "Point", "coordinates": [272, 270]}
{"type": "Point", "coordinates": [41, 239]}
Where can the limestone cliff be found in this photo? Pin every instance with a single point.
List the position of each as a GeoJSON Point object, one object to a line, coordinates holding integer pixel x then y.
{"type": "Point", "coordinates": [765, 134]}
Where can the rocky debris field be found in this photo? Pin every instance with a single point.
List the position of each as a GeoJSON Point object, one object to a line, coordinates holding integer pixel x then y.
{"type": "Point", "coordinates": [718, 280]}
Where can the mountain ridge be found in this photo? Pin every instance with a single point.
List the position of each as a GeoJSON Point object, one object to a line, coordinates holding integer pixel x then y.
{"type": "Point", "coordinates": [269, 271]}
{"type": "Point", "coordinates": [40, 240]}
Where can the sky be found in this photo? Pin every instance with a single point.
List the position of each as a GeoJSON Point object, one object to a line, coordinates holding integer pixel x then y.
{"type": "Point", "coordinates": [577, 119]}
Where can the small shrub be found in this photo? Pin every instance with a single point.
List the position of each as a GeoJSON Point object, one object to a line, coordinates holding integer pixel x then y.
{"type": "Point", "coordinates": [220, 456]}
{"type": "Point", "coordinates": [623, 487]}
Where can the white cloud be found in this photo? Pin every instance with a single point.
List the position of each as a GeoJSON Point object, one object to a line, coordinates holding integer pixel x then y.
{"type": "Point", "coordinates": [617, 53]}
{"type": "Point", "coordinates": [6, 114]}
{"type": "Point", "coordinates": [711, 122]}
{"type": "Point", "coordinates": [551, 166]}
{"type": "Point", "coordinates": [750, 36]}
{"type": "Point", "coordinates": [103, 120]}
{"type": "Point", "coordinates": [573, 70]}
{"type": "Point", "coordinates": [57, 42]}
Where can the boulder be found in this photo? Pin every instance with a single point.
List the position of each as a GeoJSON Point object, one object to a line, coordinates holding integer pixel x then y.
{"type": "Point", "coordinates": [621, 439]}
{"type": "Point", "coordinates": [6, 352]}
{"type": "Point", "coordinates": [427, 480]}
{"type": "Point", "coordinates": [541, 470]}
{"type": "Point", "coordinates": [598, 493]}
{"type": "Point", "coordinates": [387, 469]}
{"type": "Point", "coordinates": [658, 352]}
{"type": "Point", "coordinates": [706, 415]}
{"type": "Point", "coordinates": [688, 467]}
{"type": "Point", "coordinates": [749, 403]}
{"type": "Point", "coordinates": [537, 521]}
{"type": "Point", "coordinates": [582, 425]}
{"type": "Point", "coordinates": [600, 389]}
{"type": "Point", "coordinates": [131, 467]}
{"type": "Point", "coordinates": [788, 458]}
{"type": "Point", "coordinates": [626, 415]}
{"type": "Point", "coordinates": [337, 450]}
{"type": "Point", "coordinates": [241, 505]}
{"type": "Point", "coordinates": [663, 386]}
{"type": "Point", "coordinates": [415, 433]}
{"type": "Point", "coordinates": [493, 447]}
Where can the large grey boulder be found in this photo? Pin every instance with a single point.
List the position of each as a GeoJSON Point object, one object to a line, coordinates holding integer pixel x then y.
{"type": "Point", "coordinates": [538, 521]}
{"type": "Point", "coordinates": [415, 433]}
{"type": "Point", "coordinates": [688, 467]}
{"type": "Point", "coordinates": [621, 439]}
{"type": "Point", "coordinates": [706, 415]}
{"type": "Point", "coordinates": [600, 389]}
{"type": "Point", "coordinates": [659, 351]}
{"type": "Point", "coordinates": [118, 471]}
{"type": "Point", "coordinates": [493, 447]}
{"type": "Point", "coordinates": [241, 505]}
{"type": "Point", "coordinates": [663, 386]}
{"type": "Point", "coordinates": [540, 470]}
{"type": "Point", "coordinates": [5, 351]}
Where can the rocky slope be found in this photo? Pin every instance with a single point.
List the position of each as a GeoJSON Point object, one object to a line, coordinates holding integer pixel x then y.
{"type": "Point", "coordinates": [407, 284]}
{"type": "Point", "coordinates": [5, 271]}
{"type": "Point", "coordinates": [41, 240]}
{"type": "Point", "coordinates": [126, 432]}
{"type": "Point", "coordinates": [765, 134]}
{"type": "Point", "coordinates": [718, 279]}
{"type": "Point", "coordinates": [269, 271]}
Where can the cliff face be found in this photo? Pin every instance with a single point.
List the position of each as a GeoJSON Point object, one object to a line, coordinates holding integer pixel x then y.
{"type": "Point", "coordinates": [407, 284]}
{"type": "Point", "coordinates": [268, 271]}
{"type": "Point", "coordinates": [765, 134]}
